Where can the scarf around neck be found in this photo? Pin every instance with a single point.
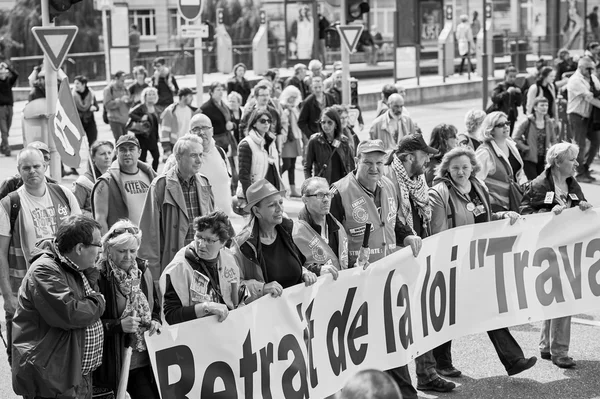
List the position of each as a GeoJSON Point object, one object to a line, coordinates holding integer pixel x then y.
{"type": "Point", "coordinates": [129, 284]}
{"type": "Point", "coordinates": [84, 100]}
{"type": "Point", "coordinates": [415, 189]}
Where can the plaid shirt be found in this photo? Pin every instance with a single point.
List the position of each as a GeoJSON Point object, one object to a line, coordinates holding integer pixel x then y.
{"type": "Point", "coordinates": [192, 203]}
{"type": "Point", "coordinates": [94, 339]}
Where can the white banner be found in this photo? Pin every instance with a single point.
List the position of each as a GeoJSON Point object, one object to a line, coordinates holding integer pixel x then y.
{"type": "Point", "coordinates": [311, 340]}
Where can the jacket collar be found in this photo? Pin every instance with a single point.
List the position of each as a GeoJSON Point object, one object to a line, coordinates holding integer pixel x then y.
{"type": "Point", "coordinates": [305, 215]}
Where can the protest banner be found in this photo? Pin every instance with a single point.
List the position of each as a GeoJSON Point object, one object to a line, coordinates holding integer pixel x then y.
{"type": "Point", "coordinates": [311, 340]}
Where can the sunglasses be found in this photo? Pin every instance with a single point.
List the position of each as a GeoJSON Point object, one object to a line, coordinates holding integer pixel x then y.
{"type": "Point", "coordinates": [503, 124]}
{"type": "Point", "coordinates": [123, 230]}
{"type": "Point", "coordinates": [264, 121]}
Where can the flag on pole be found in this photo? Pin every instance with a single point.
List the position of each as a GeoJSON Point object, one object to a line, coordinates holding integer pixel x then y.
{"type": "Point", "coordinates": [66, 127]}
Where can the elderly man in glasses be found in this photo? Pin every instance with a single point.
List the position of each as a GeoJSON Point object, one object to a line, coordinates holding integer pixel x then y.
{"type": "Point", "coordinates": [583, 90]}
{"type": "Point", "coordinates": [319, 235]}
{"type": "Point", "coordinates": [31, 213]}
{"type": "Point", "coordinates": [174, 200]}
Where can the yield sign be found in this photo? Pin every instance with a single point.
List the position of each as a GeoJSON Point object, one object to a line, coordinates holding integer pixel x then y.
{"type": "Point", "coordinates": [350, 34]}
{"type": "Point", "coordinates": [55, 41]}
{"type": "Point", "coordinates": [189, 9]}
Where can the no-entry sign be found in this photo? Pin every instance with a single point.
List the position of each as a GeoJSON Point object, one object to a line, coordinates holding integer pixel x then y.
{"type": "Point", "coordinates": [189, 9]}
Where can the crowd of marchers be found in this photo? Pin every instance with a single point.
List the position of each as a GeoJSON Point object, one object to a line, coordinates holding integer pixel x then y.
{"type": "Point", "coordinates": [86, 271]}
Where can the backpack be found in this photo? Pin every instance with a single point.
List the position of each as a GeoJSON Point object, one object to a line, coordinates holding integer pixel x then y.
{"type": "Point", "coordinates": [15, 202]}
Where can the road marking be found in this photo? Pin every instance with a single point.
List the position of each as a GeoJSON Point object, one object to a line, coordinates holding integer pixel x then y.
{"type": "Point", "coordinates": [594, 323]}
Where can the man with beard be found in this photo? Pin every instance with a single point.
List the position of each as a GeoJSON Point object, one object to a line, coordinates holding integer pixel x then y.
{"type": "Point", "coordinates": [318, 235]}
{"type": "Point", "coordinates": [406, 170]}
{"type": "Point", "coordinates": [392, 125]}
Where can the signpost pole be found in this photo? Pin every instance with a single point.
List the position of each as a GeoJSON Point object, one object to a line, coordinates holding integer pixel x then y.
{"type": "Point", "coordinates": [105, 44]}
{"type": "Point", "coordinates": [484, 58]}
{"type": "Point", "coordinates": [51, 98]}
{"type": "Point", "coordinates": [345, 57]}
{"type": "Point", "coordinates": [199, 70]}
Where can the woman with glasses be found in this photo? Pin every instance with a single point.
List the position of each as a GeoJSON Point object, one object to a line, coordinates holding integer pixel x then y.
{"type": "Point", "coordinates": [443, 139]}
{"type": "Point", "coordinates": [258, 156]}
{"type": "Point", "coordinates": [328, 153]}
{"type": "Point", "coordinates": [501, 163]}
{"type": "Point", "coordinates": [264, 249]}
{"type": "Point", "coordinates": [203, 278]}
{"type": "Point", "coordinates": [101, 156]}
{"type": "Point", "coordinates": [459, 198]}
{"type": "Point", "coordinates": [131, 309]}
{"type": "Point", "coordinates": [147, 114]}
{"type": "Point", "coordinates": [534, 136]}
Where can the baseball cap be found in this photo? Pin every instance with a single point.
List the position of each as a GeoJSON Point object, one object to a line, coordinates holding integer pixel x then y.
{"type": "Point", "coordinates": [364, 147]}
{"type": "Point", "coordinates": [38, 145]}
{"type": "Point", "coordinates": [127, 139]}
{"type": "Point", "coordinates": [414, 142]}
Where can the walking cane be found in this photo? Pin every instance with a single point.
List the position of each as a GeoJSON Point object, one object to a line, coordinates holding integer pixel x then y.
{"type": "Point", "coordinates": [122, 389]}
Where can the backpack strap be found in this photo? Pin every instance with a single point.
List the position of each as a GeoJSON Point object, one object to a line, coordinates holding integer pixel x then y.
{"type": "Point", "coordinates": [15, 208]}
{"type": "Point", "coordinates": [60, 191]}
{"type": "Point", "coordinates": [224, 157]}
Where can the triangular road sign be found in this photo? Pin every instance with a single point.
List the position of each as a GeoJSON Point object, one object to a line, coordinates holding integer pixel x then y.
{"type": "Point", "coordinates": [55, 41]}
{"type": "Point", "coordinates": [350, 35]}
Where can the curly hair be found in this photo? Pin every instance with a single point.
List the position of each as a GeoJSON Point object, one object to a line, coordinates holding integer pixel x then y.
{"type": "Point", "coordinates": [146, 91]}
{"type": "Point", "coordinates": [442, 169]}
{"type": "Point", "coordinates": [217, 222]}
{"type": "Point", "coordinates": [473, 119]}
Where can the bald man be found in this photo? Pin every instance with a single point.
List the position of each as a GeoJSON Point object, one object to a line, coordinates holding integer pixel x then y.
{"type": "Point", "coordinates": [392, 125]}
{"type": "Point", "coordinates": [31, 213]}
{"type": "Point", "coordinates": [582, 97]}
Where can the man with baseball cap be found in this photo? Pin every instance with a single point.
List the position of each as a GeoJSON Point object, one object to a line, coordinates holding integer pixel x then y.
{"type": "Point", "coordinates": [14, 182]}
{"type": "Point", "coordinates": [406, 170]}
{"type": "Point", "coordinates": [120, 192]}
{"type": "Point", "coordinates": [175, 120]}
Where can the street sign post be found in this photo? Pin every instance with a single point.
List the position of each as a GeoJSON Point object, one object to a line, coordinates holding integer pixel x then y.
{"type": "Point", "coordinates": [55, 41]}
{"type": "Point", "coordinates": [350, 35]}
{"type": "Point", "coordinates": [194, 31]}
{"type": "Point", "coordinates": [189, 9]}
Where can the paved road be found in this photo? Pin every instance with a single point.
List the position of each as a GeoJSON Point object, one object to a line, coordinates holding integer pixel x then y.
{"type": "Point", "coordinates": [484, 376]}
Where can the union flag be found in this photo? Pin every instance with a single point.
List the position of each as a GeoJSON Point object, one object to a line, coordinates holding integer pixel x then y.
{"type": "Point", "coordinates": [66, 127]}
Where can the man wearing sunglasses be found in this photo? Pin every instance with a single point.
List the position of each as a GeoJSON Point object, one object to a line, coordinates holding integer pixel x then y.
{"type": "Point", "coordinates": [581, 99]}
{"type": "Point", "coordinates": [319, 235]}
{"type": "Point", "coordinates": [31, 213]}
{"type": "Point", "coordinates": [59, 336]}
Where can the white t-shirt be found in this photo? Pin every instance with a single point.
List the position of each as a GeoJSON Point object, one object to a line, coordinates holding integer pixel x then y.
{"type": "Point", "coordinates": [135, 187]}
{"type": "Point", "coordinates": [38, 215]}
{"type": "Point", "coordinates": [215, 170]}
{"type": "Point", "coordinates": [184, 116]}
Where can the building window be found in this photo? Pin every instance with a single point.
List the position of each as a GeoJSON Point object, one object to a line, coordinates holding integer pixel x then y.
{"type": "Point", "coordinates": [176, 22]}
{"type": "Point", "coordinates": [382, 16]}
{"type": "Point", "coordinates": [145, 21]}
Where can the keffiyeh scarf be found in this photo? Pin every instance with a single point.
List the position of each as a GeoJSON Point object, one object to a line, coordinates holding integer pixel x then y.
{"type": "Point", "coordinates": [412, 188]}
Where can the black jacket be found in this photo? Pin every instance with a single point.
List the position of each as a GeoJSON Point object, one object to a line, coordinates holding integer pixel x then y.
{"type": "Point", "coordinates": [308, 121]}
{"type": "Point", "coordinates": [535, 194]}
{"type": "Point", "coordinates": [215, 115]}
{"type": "Point", "coordinates": [505, 101]}
{"type": "Point", "coordinates": [115, 339]}
{"type": "Point", "coordinates": [243, 88]}
{"type": "Point", "coordinates": [319, 152]}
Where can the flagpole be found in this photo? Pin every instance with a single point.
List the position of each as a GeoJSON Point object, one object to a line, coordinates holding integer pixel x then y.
{"type": "Point", "coordinates": [51, 98]}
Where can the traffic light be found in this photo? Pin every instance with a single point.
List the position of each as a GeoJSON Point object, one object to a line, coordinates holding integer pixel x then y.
{"type": "Point", "coordinates": [57, 7]}
{"type": "Point", "coordinates": [356, 9]}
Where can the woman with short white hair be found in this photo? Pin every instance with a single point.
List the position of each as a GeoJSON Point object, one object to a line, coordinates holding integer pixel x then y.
{"type": "Point", "coordinates": [473, 120]}
{"type": "Point", "coordinates": [555, 190]}
{"type": "Point", "coordinates": [144, 122]}
{"type": "Point", "coordinates": [131, 309]}
{"type": "Point", "coordinates": [290, 100]}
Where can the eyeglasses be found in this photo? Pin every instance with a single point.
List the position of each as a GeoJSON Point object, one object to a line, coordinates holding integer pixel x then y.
{"type": "Point", "coordinates": [93, 244]}
{"type": "Point", "coordinates": [328, 123]}
{"type": "Point", "coordinates": [123, 230]}
{"type": "Point", "coordinates": [320, 196]}
{"type": "Point", "coordinates": [207, 241]}
{"type": "Point", "coordinates": [202, 129]}
{"type": "Point", "coordinates": [265, 121]}
{"type": "Point", "coordinates": [503, 124]}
